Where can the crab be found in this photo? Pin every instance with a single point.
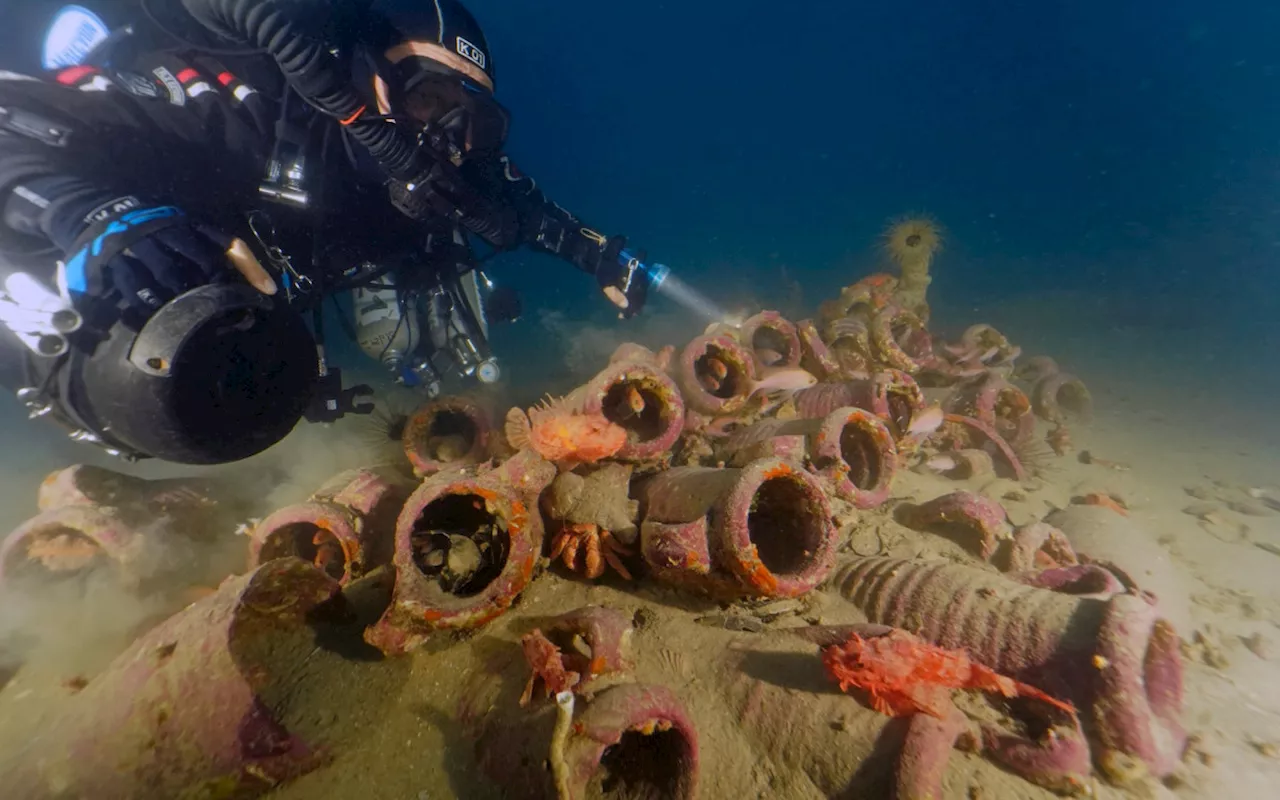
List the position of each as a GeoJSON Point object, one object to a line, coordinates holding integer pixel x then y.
{"type": "Point", "coordinates": [596, 519]}
{"type": "Point", "coordinates": [1059, 439]}
{"type": "Point", "coordinates": [63, 552]}
{"type": "Point", "coordinates": [1104, 500]}
{"type": "Point", "coordinates": [597, 546]}
{"type": "Point", "coordinates": [548, 665]}
{"type": "Point", "coordinates": [902, 674]}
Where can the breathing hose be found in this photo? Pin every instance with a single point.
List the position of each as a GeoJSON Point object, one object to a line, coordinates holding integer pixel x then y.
{"type": "Point", "coordinates": [291, 32]}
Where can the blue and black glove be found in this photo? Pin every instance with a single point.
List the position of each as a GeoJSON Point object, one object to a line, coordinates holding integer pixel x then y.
{"type": "Point", "coordinates": [122, 249]}
{"type": "Point", "coordinates": [624, 277]}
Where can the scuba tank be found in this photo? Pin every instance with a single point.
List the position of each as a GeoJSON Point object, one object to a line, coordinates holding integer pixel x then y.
{"type": "Point", "coordinates": [389, 331]}
{"type": "Point", "coordinates": [456, 324]}
{"type": "Point", "coordinates": [385, 333]}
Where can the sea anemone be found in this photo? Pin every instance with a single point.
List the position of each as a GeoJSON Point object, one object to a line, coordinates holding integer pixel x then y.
{"type": "Point", "coordinates": [1037, 457]}
{"type": "Point", "coordinates": [383, 430]}
{"type": "Point", "coordinates": [912, 240]}
{"type": "Point", "coordinates": [911, 244]}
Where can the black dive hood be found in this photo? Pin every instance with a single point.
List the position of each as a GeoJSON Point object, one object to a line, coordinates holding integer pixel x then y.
{"type": "Point", "coordinates": [220, 373]}
{"type": "Point", "coordinates": [445, 23]}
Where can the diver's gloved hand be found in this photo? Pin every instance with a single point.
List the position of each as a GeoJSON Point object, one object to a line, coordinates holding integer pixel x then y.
{"type": "Point", "coordinates": [623, 276]}
{"type": "Point", "coordinates": [123, 248]}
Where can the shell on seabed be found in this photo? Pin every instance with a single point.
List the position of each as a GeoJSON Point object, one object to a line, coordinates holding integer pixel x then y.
{"type": "Point", "coordinates": [674, 663]}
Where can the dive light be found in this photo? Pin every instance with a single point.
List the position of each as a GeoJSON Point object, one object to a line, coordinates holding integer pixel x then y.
{"type": "Point", "coordinates": [663, 282]}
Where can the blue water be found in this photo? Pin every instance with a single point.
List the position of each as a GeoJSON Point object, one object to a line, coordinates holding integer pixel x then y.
{"type": "Point", "coordinates": [1130, 153]}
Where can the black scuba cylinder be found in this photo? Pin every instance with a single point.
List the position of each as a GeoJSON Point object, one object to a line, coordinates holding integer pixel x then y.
{"type": "Point", "coordinates": [439, 315]}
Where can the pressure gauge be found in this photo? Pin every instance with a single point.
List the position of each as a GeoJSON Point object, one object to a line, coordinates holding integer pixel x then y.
{"type": "Point", "coordinates": [488, 371]}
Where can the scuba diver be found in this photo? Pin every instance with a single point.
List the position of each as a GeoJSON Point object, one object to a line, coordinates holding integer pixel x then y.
{"type": "Point", "coordinates": [185, 184]}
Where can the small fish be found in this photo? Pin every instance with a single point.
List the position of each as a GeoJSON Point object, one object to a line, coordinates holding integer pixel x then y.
{"type": "Point", "coordinates": [768, 402]}
{"type": "Point", "coordinates": [784, 378]}
{"type": "Point", "coordinates": [712, 374]}
{"type": "Point", "coordinates": [769, 356]}
{"type": "Point", "coordinates": [926, 422]}
{"type": "Point", "coordinates": [941, 463]}
{"type": "Point", "coordinates": [721, 427]}
{"type": "Point", "coordinates": [328, 552]}
{"type": "Point", "coordinates": [966, 369]}
{"type": "Point", "coordinates": [988, 354]}
{"type": "Point", "coordinates": [717, 368]}
{"type": "Point", "coordinates": [635, 401]}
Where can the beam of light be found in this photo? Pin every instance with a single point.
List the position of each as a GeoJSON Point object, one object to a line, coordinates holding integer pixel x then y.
{"type": "Point", "coordinates": [684, 295]}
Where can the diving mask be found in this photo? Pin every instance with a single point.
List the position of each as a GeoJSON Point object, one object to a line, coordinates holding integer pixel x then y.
{"type": "Point", "coordinates": [468, 113]}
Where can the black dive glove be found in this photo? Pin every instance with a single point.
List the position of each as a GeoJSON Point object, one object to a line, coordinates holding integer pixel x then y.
{"type": "Point", "coordinates": [123, 249]}
{"type": "Point", "coordinates": [624, 277]}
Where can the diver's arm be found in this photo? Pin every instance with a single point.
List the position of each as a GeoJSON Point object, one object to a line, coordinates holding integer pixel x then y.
{"type": "Point", "coordinates": [544, 225]}
{"type": "Point", "coordinates": [81, 174]}
{"type": "Point", "coordinates": [189, 154]}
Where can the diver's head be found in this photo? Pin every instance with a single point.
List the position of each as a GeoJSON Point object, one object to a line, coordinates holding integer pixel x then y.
{"type": "Point", "coordinates": [432, 67]}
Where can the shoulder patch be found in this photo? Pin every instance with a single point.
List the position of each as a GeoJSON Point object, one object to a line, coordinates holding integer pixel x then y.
{"type": "Point", "coordinates": [171, 85]}
{"type": "Point", "coordinates": [137, 85]}
{"type": "Point", "coordinates": [75, 31]}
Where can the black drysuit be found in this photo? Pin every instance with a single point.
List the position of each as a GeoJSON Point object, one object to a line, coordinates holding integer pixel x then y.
{"type": "Point", "coordinates": [173, 131]}
{"type": "Point", "coordinates": [188, 130]}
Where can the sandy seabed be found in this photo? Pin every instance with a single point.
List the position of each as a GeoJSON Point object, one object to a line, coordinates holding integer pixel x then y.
{"type": "Point", "coordinates": [1182, 440]}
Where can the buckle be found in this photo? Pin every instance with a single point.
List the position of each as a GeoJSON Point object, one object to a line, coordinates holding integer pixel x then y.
{"type": "Point", "coordinates": [33, 126]}
{"type": "Point", "coordinates": [331, 402]}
